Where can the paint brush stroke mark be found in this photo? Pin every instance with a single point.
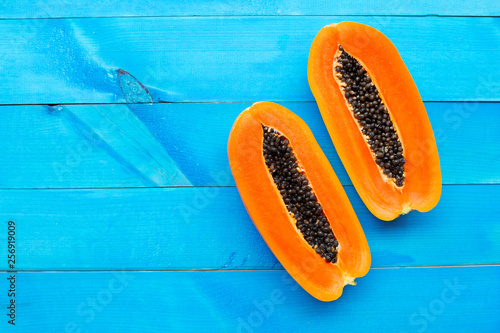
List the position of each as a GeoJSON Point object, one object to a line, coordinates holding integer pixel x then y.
{"type": "Point", "coordinates": [114, 129]}
{"type": "Point", "coordinates": [118, 132]}
{"type": "Point", "coordinates": [70, 57]}
{"type": "Point", "coordinates": [190, 155]}
{"type": "Point", "coordinates": [133, 91]}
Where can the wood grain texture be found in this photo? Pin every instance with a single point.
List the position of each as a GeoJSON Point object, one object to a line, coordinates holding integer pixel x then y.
{"type": "Point", "coordinates": [165, 144]}
{"type": "Point", "coordinates": [208, 228]}
{"type": "Point", "coordinates": [455, 299]}
{"type": "Point", "coordinates": [100, 8]}
{"type": "Point", "coordinates": [50, 61]}
{"type": "Point", "coordinates": [183, 213]}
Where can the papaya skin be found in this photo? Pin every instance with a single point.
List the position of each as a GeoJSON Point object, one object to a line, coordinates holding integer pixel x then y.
{"type": "Point", "coordinates": [324, 281]}
{"type": "Point", "coordinates": [380, 58]}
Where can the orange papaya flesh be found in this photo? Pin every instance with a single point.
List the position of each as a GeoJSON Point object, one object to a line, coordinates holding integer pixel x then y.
{"type": "Point", "coordinates": [376, 119]}
{"type": "Point", "coordinates": [296, 201]}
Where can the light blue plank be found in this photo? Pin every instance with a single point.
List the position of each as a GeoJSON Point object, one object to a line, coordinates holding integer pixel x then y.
{"type": "Point", "coordinates": [100, 8]}
{"type": "Point", "coordinates": [47, 61]}
{"type": "Point", "coordinates": [101, 145]}
{"type": "Point", "coordinates": [124, 138]}
{"type": "Point", "coordinates": [457, 299]}
{"type": "Point", "coordinates": [162, 145]}
{"type": "Point", "coordinates": [208, 228]}
{"type": "Point", "coordinates": [455, 125]}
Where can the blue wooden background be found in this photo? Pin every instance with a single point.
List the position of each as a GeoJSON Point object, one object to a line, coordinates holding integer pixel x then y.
{"type": "Point", "coordinates": [113, 128]}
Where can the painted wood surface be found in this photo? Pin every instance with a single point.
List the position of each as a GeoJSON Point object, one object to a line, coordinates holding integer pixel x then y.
{"type": "Point", "coordinates": [209, 228]}
{"type": "Point", "coordinates": [139, 190]}
{"type": "Point", "coordinates": [56, 61]}
{"type": "Point", "coordinates": [164, 144]}
{"type": "Point", "coordinates": [111, 8]}
{"type": "Point", "coordinates": [454, 299]}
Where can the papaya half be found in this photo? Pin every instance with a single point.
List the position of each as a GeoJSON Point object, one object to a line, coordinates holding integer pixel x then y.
{"type": "Point", "coordinates": [296, 201]}
{"type": "Point", "coordinates": [376, 119]}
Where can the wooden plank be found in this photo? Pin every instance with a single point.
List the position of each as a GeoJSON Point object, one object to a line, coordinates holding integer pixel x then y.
{"type": "Point", "coordinates": [454, 299]}
{"type": "Point", "coordinates": [208, 228]}
{"type": "Point", "coordinates": [100, 8]}
{"type": "Point", "coordinates": [160, 145]}
{"type": "Point", "coordinates": [196, 59]}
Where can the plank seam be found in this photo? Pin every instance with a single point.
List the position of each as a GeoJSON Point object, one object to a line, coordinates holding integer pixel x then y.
{"type": "Point", "coordinates": [222, 102]}
{"type": "Point", "coordinates": [229, 270]}
{"type": "Point", "coordinates": [174, 187]}
{"type": "Point", "coordinates": [196, 16]}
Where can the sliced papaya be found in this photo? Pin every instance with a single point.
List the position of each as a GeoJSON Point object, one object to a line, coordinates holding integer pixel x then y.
{"type": "Point", "coordinates": [296, 201]}
{"type": "Point", "coordinates": [376, 119]}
